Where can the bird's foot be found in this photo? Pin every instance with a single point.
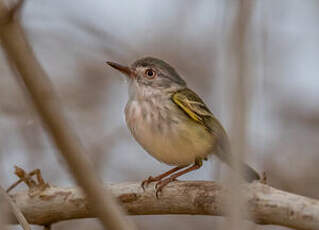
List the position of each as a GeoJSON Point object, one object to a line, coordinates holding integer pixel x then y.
{"type": "Point", "coordinates": [160, 177]}
{"type": "Point", "coordinates": [162, 183]}
{"type": "Point", "coordinates": [149, 180]}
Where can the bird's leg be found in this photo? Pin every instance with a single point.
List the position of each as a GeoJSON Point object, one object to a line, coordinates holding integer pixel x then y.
{"type": "Point", "coordinates": [162, 183]}
{"type": "Point", "coordinates": [160, 177]}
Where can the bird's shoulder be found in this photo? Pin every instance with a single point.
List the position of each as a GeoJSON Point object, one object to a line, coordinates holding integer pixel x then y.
{"type": "Point", "coordinates": [191, 104]}
{"type": "Point", "coordinates": [188, 101]}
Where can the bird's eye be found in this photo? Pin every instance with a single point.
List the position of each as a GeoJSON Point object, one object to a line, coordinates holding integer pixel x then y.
{"type": "Point", "coordinates": [149, 73]}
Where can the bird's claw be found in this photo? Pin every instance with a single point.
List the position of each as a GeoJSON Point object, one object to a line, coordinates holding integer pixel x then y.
{"type": "Point", "coordinates": [156, 193]}
{"type": "Point", "coordinates": [161, 184]}
{"type": "Point", "coordinates": [158, 187]}
{"type": "Point", "coordinates": [147, 182]}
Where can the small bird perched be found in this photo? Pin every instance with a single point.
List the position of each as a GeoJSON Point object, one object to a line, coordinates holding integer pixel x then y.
{"type": "Point", "coordinates": [171, 122]}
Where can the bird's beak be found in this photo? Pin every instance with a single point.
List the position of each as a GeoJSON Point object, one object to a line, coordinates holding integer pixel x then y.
{"type": "Point", "coordinates": [128, 71]}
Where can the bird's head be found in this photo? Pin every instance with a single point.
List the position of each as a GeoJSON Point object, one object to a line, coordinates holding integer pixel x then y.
{"type": "Point", "coordinates": [150, 74]}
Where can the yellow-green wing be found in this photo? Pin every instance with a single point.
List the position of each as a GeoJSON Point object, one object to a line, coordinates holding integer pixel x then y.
{"type": "Point", "coordinates": [195, 108]}
{"type": "Point", "coordinates": [191, 104]}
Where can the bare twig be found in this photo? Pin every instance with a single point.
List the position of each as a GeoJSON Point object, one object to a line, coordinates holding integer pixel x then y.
{"type": "Point", "coordinates": [266, 205]}
{"type": "Point", "coordinates": [47, 104]}
{"type": "Point", "coordinates": [27, 179]}
{"type": "Point", "coordinates": [15, 184]}
{"type": "Point", "coordinates": [16, 211]}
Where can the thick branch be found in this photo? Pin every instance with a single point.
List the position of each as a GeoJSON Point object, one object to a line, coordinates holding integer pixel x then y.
{"type": "Point", "coordinates": [267, 205]}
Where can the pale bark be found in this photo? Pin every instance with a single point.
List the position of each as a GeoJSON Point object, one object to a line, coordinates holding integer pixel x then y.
{"type": "Point", "coordinates": [266, 205]}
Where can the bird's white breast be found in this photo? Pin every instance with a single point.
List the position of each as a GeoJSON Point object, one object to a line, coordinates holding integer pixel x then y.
{"type": "Point", "coordinates": [166, 133]}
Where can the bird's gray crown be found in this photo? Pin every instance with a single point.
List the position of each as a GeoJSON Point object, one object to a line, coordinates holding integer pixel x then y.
{"type": "Point", "coordinates": [167, 70]}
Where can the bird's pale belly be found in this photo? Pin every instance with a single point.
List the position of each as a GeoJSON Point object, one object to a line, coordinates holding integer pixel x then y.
{"type": "Point", "coordinates": [174, 141]}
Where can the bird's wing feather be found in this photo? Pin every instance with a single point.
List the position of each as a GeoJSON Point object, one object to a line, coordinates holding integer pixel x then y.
{"type": "Point", "coordinates": [195, 108]}
{"type": "Point", "coordinates": [191, 104]}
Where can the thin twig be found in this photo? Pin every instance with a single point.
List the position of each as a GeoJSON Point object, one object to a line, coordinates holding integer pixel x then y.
{"type": "Point", "coordinates": [15, 184]}
{"type": "Point", "coordinates": [27, 179]}
{"type": "Point", "coordinates": [48, 106]}
{"type": "Point", "coordinates": [17, 213]}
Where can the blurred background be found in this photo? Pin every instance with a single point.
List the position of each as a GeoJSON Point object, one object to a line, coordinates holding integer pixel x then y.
{"type": "Point", "coordinates": [73, 39]}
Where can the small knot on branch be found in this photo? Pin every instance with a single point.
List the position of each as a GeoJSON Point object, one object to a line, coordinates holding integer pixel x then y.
{"type": "Point", "coordinates": [34, 186]}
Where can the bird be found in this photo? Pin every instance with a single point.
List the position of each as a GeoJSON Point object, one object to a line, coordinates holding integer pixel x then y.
{"type": "Point", "coordinates": [171, 122]}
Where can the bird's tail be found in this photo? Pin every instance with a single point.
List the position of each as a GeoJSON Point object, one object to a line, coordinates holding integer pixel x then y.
{"type": "Point", "coordinates": [250, 174]}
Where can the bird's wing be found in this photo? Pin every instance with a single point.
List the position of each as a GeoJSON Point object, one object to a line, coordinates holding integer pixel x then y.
{"type": "Point", "coordinates": [191, 104]}
{"type": "Point", "coordinates": [195, 108]}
